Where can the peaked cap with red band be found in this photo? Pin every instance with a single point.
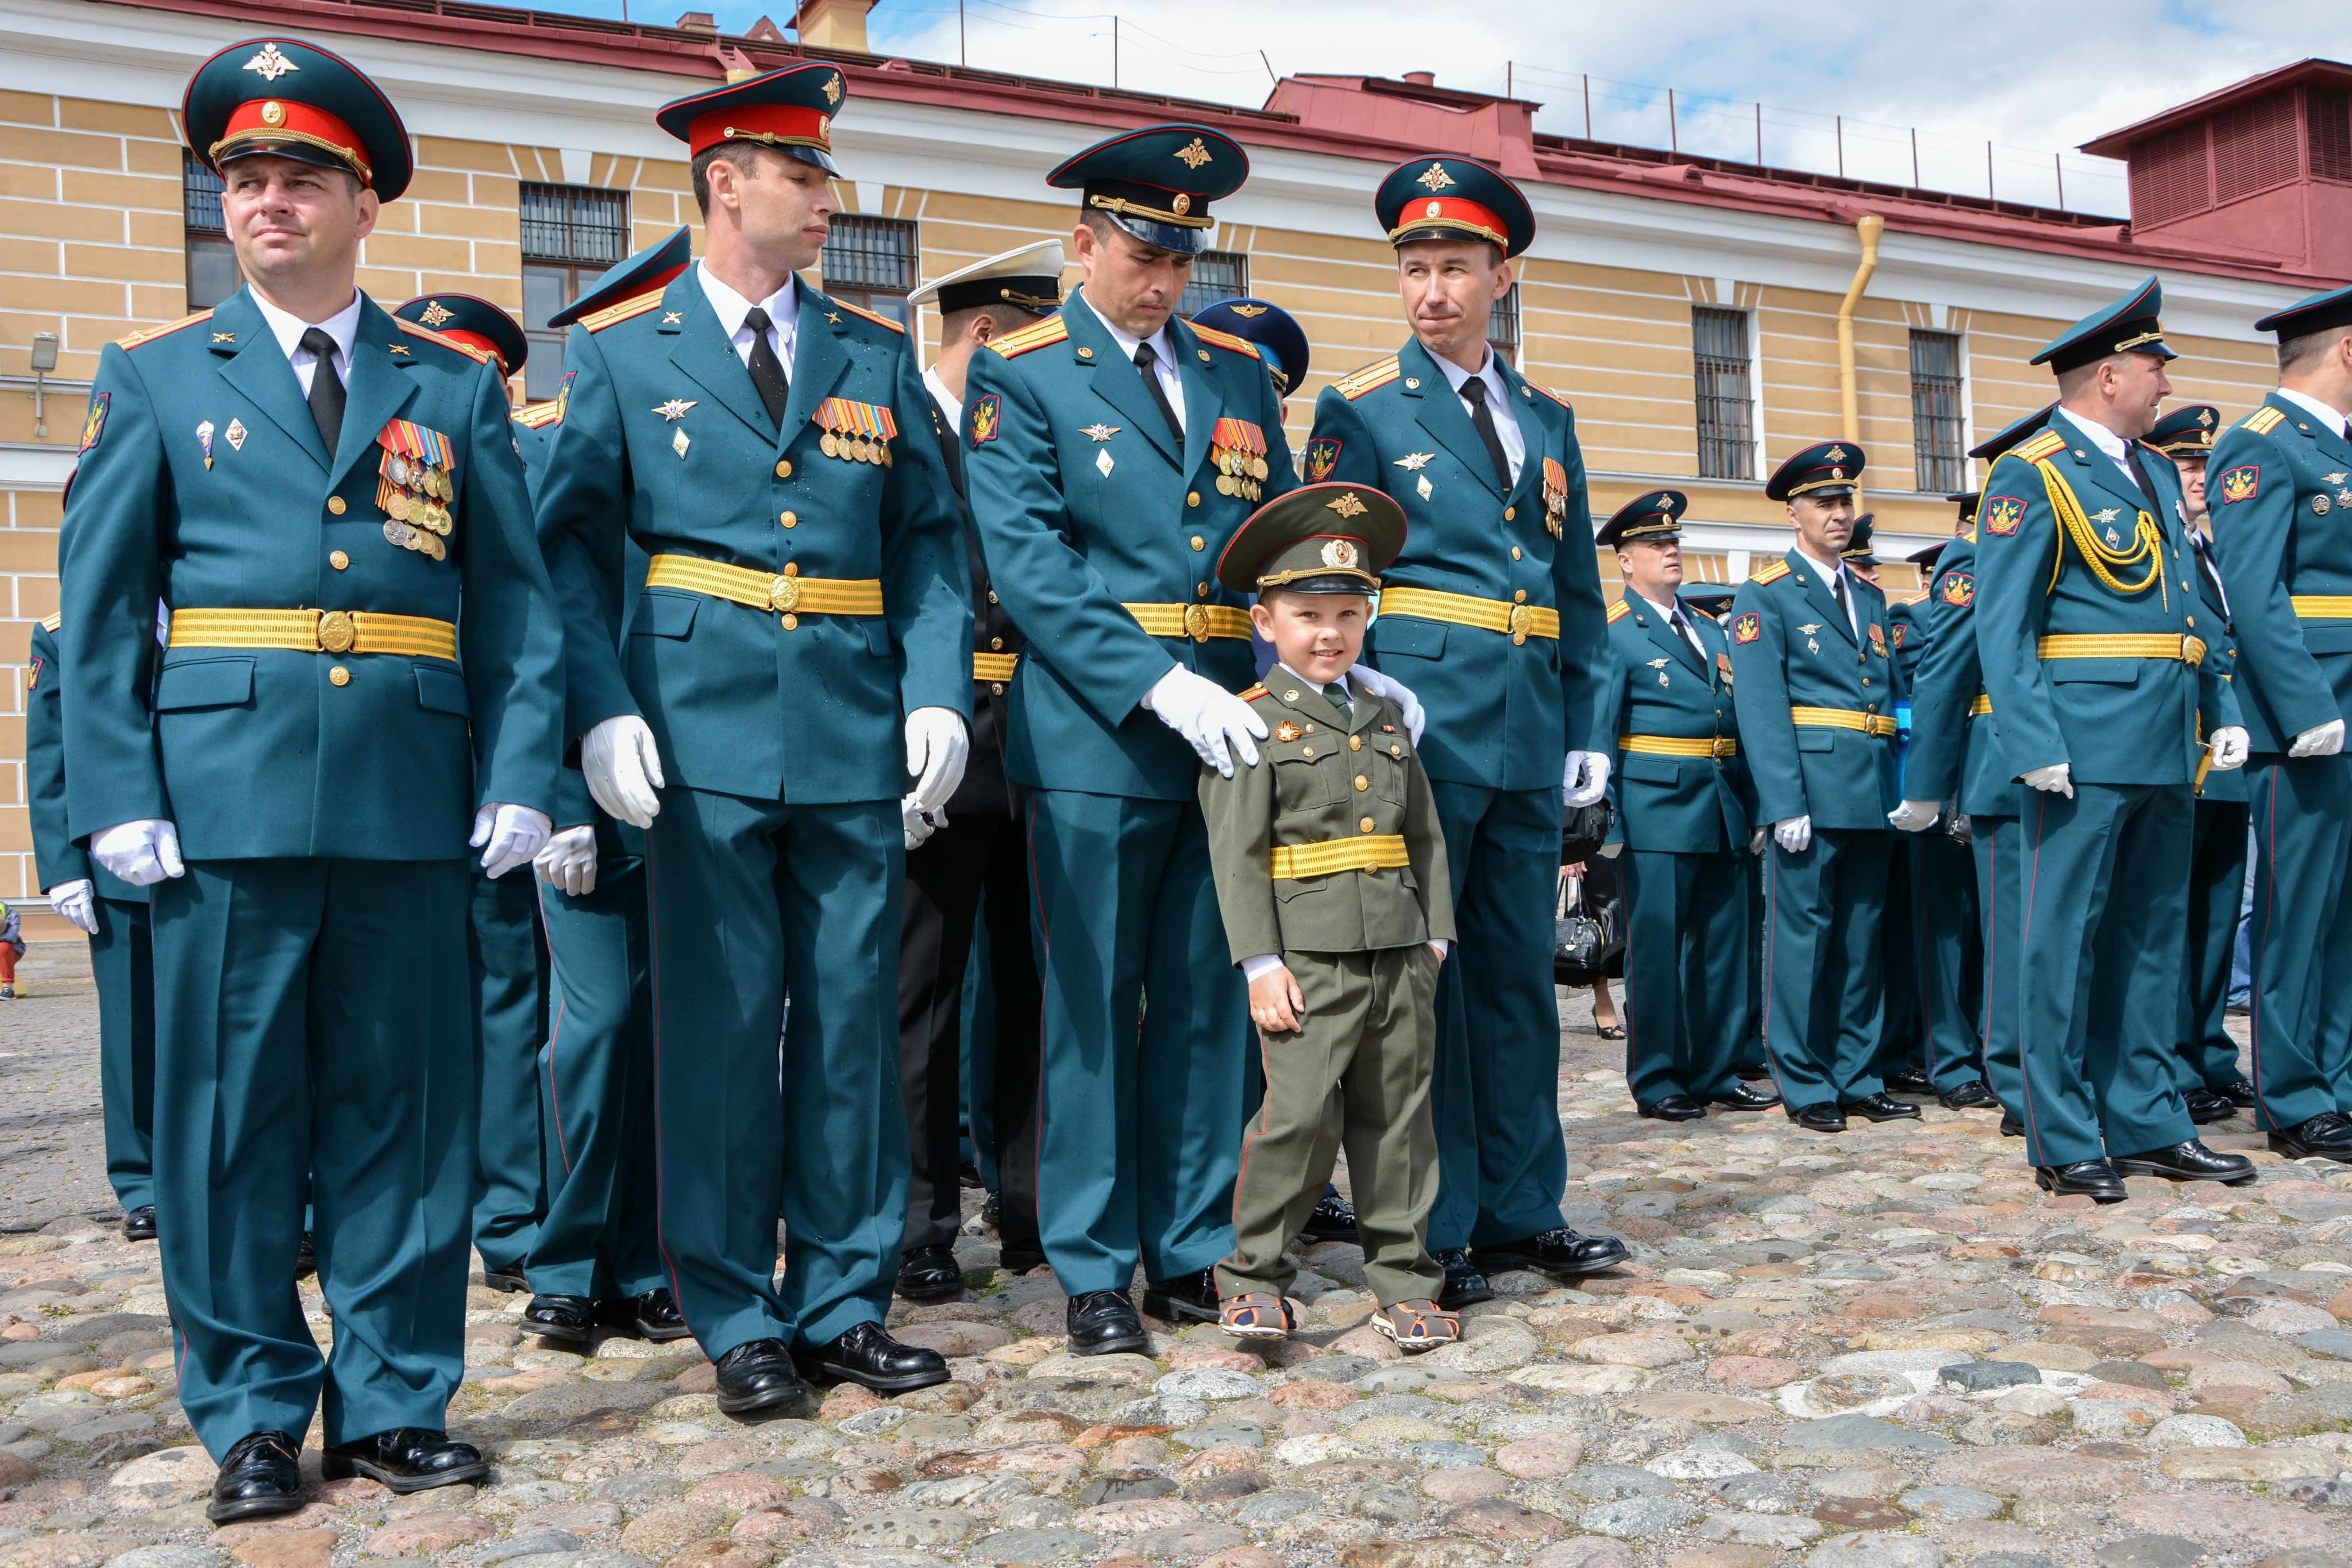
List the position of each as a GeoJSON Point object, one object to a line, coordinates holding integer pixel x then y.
{"type": "Point", "coordinates": [790, 109]}
{"type": "Point", "coordinates": [475, 323]}
{"type": "Point", "coordinates": [296, 100]}
{"type": "Point", "coordinates": [648, 270]}
{"type": "Point", "coordinates": [1453, 199]}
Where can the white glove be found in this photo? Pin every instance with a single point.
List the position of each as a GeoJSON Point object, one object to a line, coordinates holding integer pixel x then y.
{"type": "Point", "coordinates": [1396, 691]}
{"type": "Point", "coordinates": [141, 853]}
{"type": "Point", "coordinates": [1756, 840]}
{"type": "Point", "coordinates": [2230, 745]}
{"type": "Point", "coordinates": [513, 834]}
{"type": "Point", "coordinates": [1916, 815]}
{"type": "Point", "coordinates": [623, 769]}
{"type": "Point", "coordinates": [918, 824]}
{"type": "Point", "coordinates": [1216, 722]}
{"type": "Point", "coordinates": [2324, 741]}
{"type": "Point", "coordinates": [74, 902]}
{"type": "Point", "coordinates": [568, 861]}
{"type": "Point", "coordinates": [2058, 778]}
{"type": "Point", "coordinates": [1794, 834]}
{"type": "Point", "coordinates": [1585, 779]}
{"type": "Point", "coordinates": [937, 747]}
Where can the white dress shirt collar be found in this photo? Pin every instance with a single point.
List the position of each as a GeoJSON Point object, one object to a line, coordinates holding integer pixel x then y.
{"type": "Point", "coordinates": [1318, 684]}
{"type": "Point", "coordinates": [2330, 418]}
{"type": "Point", "coordinates": [781, 306]}
{"type": "Point", "coordinates": [343, 326]}
{"type": "Point", "coordinates": [1830, 574]}
{"type": "Point", "coordinates": [950, 403]}
{"type": "Point", "coordinates": [1164, 368]}
{"type": "Point", "coordinates": [1498, 403]}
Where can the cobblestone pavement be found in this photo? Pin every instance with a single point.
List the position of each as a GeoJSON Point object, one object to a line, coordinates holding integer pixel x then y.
{"type": "Point", "coordinates": [52, 1146]}
{"type": "Point", "coordinates": [1879, 1349]}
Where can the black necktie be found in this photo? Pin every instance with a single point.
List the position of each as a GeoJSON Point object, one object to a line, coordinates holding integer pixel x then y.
{"type": "Point", "coordinates": [767, 370]}
{"type": "Point", "coordinates": [1837, 595]}
{"type": "Point", "coordinates": [1146, 366]}
{"type": "Point", "coordinates": [2146, 487]}
{"type": "Point", "coordinates": [1675, 619]}
{"type": "Point", "coordinates": [326, 386]}
{"type": "Point", "coordinates": [1482, 419]}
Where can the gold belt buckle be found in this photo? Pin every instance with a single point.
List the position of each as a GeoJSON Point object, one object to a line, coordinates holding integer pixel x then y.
{"type": "Point", "coordinates": [1523, 621]}
{"type": "Point", "coordinates": [1196, 622]}
{"type": "Point", "coordinates": [336, 633]}
{"type": "Point", "coordinates": [1723, 747]}
{"type": "Point", "coordinates": [785, 595]}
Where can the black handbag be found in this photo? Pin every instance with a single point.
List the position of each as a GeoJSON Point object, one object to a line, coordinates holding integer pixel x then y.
{"type": "Point", "coordinates": [1583, 831]}
{"type": "Point", "coordinates": [1580, 942]}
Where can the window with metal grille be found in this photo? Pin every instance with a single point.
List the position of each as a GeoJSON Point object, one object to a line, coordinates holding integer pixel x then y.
{"type": "Point", "coordinates": [212, 272]}
{"type": "Point", "coordinates": [1727, 408]}
{"type": "Point", "coordinates": [570, 235]}
{"type": "Point", "coordinates": [2254, 146]}
{"type": "Point", "coordinates": [1216, 275]}
{"type": "Point", "coordinates": [2171, 177]}
{"type": "Point", "coordinates": [1503, 327]}
{"type": "Point", "coordinates": [2328, 111]}
{"type": "Point", "coordinates": [870, 263]}
{"type": "Point", "coordinates": [1938, 439]}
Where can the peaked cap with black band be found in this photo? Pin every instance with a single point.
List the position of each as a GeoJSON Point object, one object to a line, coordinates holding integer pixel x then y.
{"type": "Point", "coordinates": [2126, 325]}
{"type": "Point", "coordinates": [1156, 183]}
{"type": "Point", "coordinates": [1317, 539]}
{"type": "Point", "coordinates": [1281, 341]}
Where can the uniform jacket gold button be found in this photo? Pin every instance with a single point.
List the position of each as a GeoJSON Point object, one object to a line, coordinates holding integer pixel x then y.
{"type": "Point", "coordinates": [1515, 552]}
{"type": "Point", "coordinates": [1520, 597]}
{"type": "Point", "coordinates": [1199, 542]}
{"type": "Point", "coordinates": [1202, 590]}
{"type": "Point", "coordinates": [1362, 783]}
{"type": "Point", "coordinates": [784, 467]}
{"type": "Point", "coordinates": [992, 596]}
{"type": "Point", "coordinates": [1510, 514]}
{"type": "Point", "coordinates": [1305, 751]}
{"type": "Point", "coordinates": [790, 520]}
{"type": "Point", "coordinates": [996, 643]}
{"type": "Point", "coordinates": [792, 623]}
{"type": "Point", "coordinates": [1365, 825]}
{"type": "Point", "coordinates": [792, 568]}
{"type": "Point", "coordinates": [996, 689]}
{"type": "Point", "coordinates": [337, 560]}
{"type": "Point", "coordinates": [1192, 498]}
{"type": "Point", "coordinates": [1355, 743]}
{"type": "Point", "coordinates": [335, 505]}
{"type": "Point", "coordinates": [339, 676]}
{"type": "Point", "coordinates": [1397, 750]}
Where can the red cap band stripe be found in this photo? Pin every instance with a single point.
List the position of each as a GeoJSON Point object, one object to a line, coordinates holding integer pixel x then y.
{"type": "Point", "coordinates": [263, 118]}
{"type": "Point", "coordinates": [777, 122]}
{"type": "Point", "coordinates": [1451, 211]}
{"type": "Point", "coordinates": [475, 340]}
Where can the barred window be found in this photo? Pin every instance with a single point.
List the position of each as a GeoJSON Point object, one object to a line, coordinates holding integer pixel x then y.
{"type": "Point", "coordinates": [1938, 445]}
{"type": "Point", "coordinates": [870, 263]}
{"type": "Point", "coordinates": [1727, 408]}
{"type": "Point", "coordinates": [1216, 275]}
{"type": "Point", "coordinates": [570, 235]}
{"type": "Point", "coordinates": [1503, 326]}
{"type": "Point", "coordinates": [212, 273]}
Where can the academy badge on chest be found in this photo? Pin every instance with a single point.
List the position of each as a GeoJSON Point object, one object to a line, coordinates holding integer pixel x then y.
{"type": "Point", "coordinates": [1237, 450]}
{"type": "Point", "coordinates": [855, 432]}
{"type": "Point", "coordinates": [414, 487]}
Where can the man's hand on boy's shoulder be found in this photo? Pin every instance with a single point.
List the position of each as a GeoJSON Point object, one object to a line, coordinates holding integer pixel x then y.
{"type": "Point", "coordinates": [1397, 692]}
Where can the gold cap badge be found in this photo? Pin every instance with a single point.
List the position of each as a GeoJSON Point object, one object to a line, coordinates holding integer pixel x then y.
{"type": "Point", "coordinates": [1339, 554]}
{"type": "Point", "coordinates": [1347, 505]}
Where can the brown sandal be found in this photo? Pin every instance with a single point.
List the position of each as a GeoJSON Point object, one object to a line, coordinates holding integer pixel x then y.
{"type": "Point", "coordinates": [1417, 1326]}
{"type": "Point", "coordinates": [1255, 1315]}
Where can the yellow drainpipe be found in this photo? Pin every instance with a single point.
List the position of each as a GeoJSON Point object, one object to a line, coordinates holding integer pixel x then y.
{"type": "Point", "coordinates": [1849, 401]}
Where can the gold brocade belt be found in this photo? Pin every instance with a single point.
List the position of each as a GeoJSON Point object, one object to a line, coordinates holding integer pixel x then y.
{"type": "Point", "coordinates": [1718, 748]}
{"type": "Point", "coordinates": [1518, 621]}
{"type": "Point", "coordinates": [1981, 706]}
{"type": "Point", "coordinates": [787, 594]}
{"type": "Point", "coordinates": [2123, 645]}
{"type": "Point", "coordinates": [995, 666]}
{"type": "Point", "coordinates": [1880, 724]}
{"type": "Point", "coordinates": [1291, 862]}
{"type": "Point", "coordinates": [315, 631]}
{"type": "Point", "coordinates": [1199, 622]}
{"type": "Point", "coordinates": [2322, 607]}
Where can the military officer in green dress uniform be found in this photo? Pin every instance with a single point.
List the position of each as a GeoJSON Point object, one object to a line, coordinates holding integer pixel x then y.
{"type": "Point", "coordinates": [1108, 453]}
{"type": "Point", "coordinates": [800, 648]}
{"type": "Point", "coordinates": [2094, 648]}
{"type": "Point", "coordinates": [965, 863]}
{"type": "Point", "coordinates": [1493, 615]}
{"type": "Point", "coordinates": [1901, 1044]}
{"type": "Point", "coordinates": [314, 489]}
{"type": "Point", "coordinates": [2283, 482]}
{"type": "Point", "coordinates": [1682, 810]}
{"type": "Point", "coordinates": [508, 955]}
{"type": "Point", "coordinates": [1816, 695]}
{"type": "Point", "coordinates": [113, 914]}
{"type": "Point", "coordinates": [2205, 1066]}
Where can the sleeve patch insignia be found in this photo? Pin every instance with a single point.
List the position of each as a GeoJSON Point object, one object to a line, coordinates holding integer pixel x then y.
{"type": "Point", "coordinates": [95, 425]}
{"type": "Point", "coordinates": [1899, 629]}
{"type": "Point", "coordinates": [1747, 629]}
{"type": "Point", "coordinates": [1322, 457]}
{"type": "Point", "coordinates": [1958, 590]}
{"type": "Point", "coordinates": [985, 416]}
{"type": "Point", "coordinates": [2001, 514]}
{"type": "Point", "coordinates": [2242, 484]}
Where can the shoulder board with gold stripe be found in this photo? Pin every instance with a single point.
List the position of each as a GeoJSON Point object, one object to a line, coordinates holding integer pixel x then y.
{"type": "Point", "coordinates": [1224, 340]}
{"type": "Point", "coordinates": [1770, 571]}
{"type": "Point", "coordinates": [479, 356]}
{"type": "Point", "coordinates": [149, 334]}
{"type": "Point", "coordinates": [1253, 693]}
{"type": "Point", "coordinates": [1358, 383]}
{"type": "Point", "coordinates": [1618, 611]}
{"type": "Point", "coordinates": [50, 624]}
{"type": "Point", "coordinates": [1542, 390]}
{"type": "Point", "coordinates": [635, 305]}
{"type": "Point", "coordinates": [2262, 421]}
{"type": "Point", "coordinates": [538, 414]}
{"type": "Point", "coordinates": [1036, 335]}
{"type": "Point", "coordinates": [877, 321]}
{"type": "Point", "coordinates": [1969, 533]}
{"type": "Point", "coordinates": [2049, 444]}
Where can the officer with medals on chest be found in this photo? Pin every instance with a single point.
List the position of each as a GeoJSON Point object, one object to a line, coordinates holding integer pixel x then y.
{"type": "Point", "coordinates": [1816, 697]}
{"type": "Point", "coordinates": [314, 489]}
{"type": "Point", "coordinates": [965, 862]}
{"type": "Point", "coordinates": [1108, 453]}
{"type": "Point", "coordinates": [2205, 1066]}
{"type": "Point", "coordinates": [800, 648]}
{"type": "Point", "coordinates": [1493, 615]}
{"type": "Point", "coordinates": [1681, 794]}
{"type": "Point", "coordinates": [2094, 645]}
{"type": "Point", "coordinates": [2282, 489]}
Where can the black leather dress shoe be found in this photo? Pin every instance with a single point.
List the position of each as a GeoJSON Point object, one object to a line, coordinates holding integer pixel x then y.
{"type": "Point", "coordinates": [1103, 1322]}
{"type": "Point", "coordinates": [570, 1318]}
{"type": "Point", "coordinates": [1673, 1107]}
{"type": "Point", "coordinates": [261, 1474]}
{"type": "Point", "coordinates": [648, 1315]}
{"type": "Point", "coordinates": [1465, 1286]}
{"type": "Point", "coordinates": [306, 1257]}
{"type": "Point", "coordinates": [1822, 1116]}
{"type": "Point", "coordinates": [1911, 1080]}
{"type": "Point", "coordinates": [2011, 1127]}
{"type": "Point", "coordinates": [1970, 1096]}
{"type": "Point", "coordinates": [2207, 1106]}
{"type": "Point", "coordinates": [1560, 1253]}
{"type": "Point", "coordinates": [2239, 1094]}
{"type": "Point", "coordinates": [138, 1225]}
{"type": "Point", "coordinates": [2326, 1136]}
{"type": "Point", "coordinates": [2188, 1161]}
{"type": "Point", "coordinates": [1739, 1097]}
{"type": "Point", "coordinates": [930, 1274]}
{"type": "Point", "coordinates": [509, 1280]}
{"type": "Point", "coordinates": [1879, 1108]}
{"type": "Point", "coordinates": [2092, 1179]}
{"type": "Point", "coordinates": [1187, 1298]}
{"type": "Point", "coordinates": [1756, 1074]}
{"type": "Point", "coordinates": [407, 1459]}
{"type": "Point", "coordinates": [1332, 1219]}
{"type": "Point", "coordinates": [757, 1378]}
{"type": "Point", "coordinates": [867, 1355]}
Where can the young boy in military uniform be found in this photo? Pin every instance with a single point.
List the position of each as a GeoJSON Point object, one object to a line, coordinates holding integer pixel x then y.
{"type": "Point", "coordinates": [1330, 873]}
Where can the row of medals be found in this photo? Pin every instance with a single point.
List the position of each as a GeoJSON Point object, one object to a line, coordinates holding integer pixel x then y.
{"type": "Point", "coordinates": [856, 448]}
{"type": "Point", "coordinates": [419, 519]}
{"type": "Point", "coordinates": [1240, 473]}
